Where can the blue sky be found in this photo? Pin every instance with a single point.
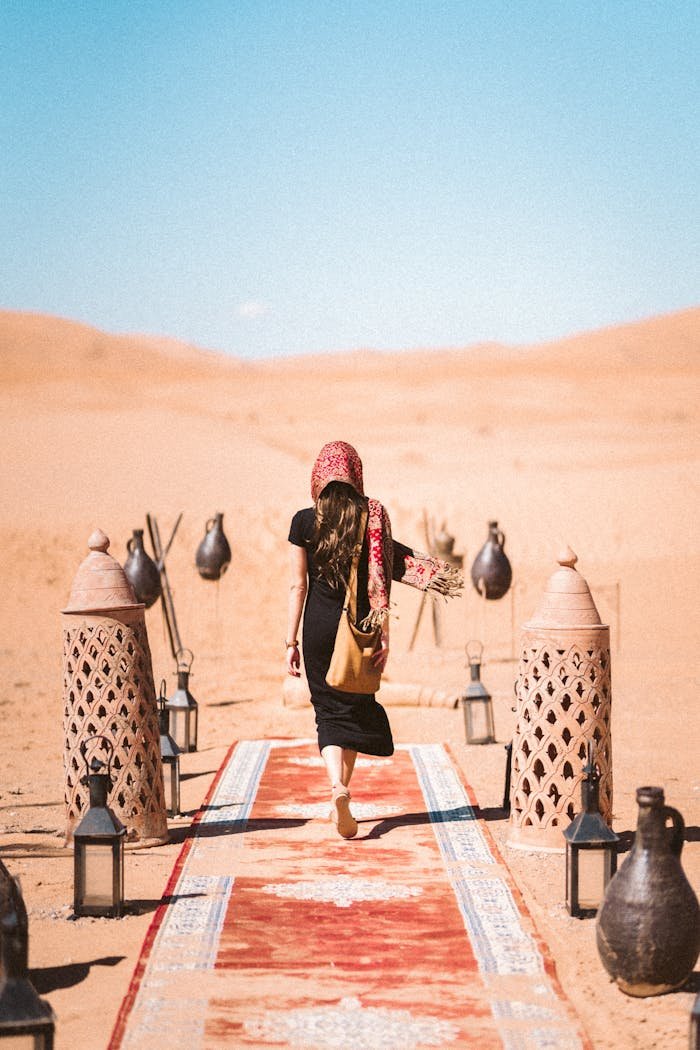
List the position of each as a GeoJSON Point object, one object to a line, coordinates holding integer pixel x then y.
{"type": "Point", "coordinates": [286, 177]}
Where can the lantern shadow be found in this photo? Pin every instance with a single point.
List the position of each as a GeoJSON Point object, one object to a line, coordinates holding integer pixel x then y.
{"type": "Point", "coordinates": [35, 851]}
{"type": "Point", "coordinates": [48, 979]}
{"type": "Point", "coordinates": [231, 703]}
{"type": "Point", "coordinates": [144, 905]}
{"type": "Point", "coordinates": [491, 813]}
{"type": "Point", "coordinates": [192, 776]}
{"type": "Point", "coordinates": [32, 805]}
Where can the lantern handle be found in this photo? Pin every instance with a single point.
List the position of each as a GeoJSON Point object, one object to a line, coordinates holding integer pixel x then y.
{"type": "Point", "coordinates": [110, 746]}
{"type": "Point", "coordinates": [163, 694]}
{"type": "Point", "coordinates": [183, 659]}
{"type": "Point", "coordinates": [474, 657]}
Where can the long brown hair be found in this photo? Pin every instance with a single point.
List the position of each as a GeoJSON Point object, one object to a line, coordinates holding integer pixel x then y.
{"type": "Point", "coordinates": [338, 511]}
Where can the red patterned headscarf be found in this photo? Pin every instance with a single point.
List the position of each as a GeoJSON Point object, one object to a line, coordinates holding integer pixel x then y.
{"type": "Point", "coordinates": [339, 461]}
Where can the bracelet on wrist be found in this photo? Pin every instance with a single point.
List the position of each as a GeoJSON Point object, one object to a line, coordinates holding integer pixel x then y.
{"type": "Point", "coordinates": [291, 645]}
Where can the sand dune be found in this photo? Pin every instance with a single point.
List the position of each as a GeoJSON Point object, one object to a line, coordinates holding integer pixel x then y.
{"type": "Point", "coordinates": [593, 440]}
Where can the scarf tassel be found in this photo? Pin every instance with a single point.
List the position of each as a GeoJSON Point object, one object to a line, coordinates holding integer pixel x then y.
{"type": "Point", "coordinates": [448, 582]}
{"type": "Point", "coordinates": [377, 618]}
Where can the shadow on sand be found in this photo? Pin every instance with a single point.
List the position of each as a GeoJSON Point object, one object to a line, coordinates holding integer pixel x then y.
{"type": "Point", "coordinates": [48, 979]}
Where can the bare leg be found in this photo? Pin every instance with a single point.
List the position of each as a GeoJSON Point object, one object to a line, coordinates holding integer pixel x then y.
{"type": "Point", "coordinates": [335, 766]}
{"type": "Point", "coordinates": [333, 757]}
{"type": "Point", "coordinates": [348, 765]}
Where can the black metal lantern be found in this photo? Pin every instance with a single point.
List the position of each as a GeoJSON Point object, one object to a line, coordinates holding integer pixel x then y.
{"type": "Point", "coordinates": [98, 843]}
{"type": "Point", "coordinates": [25, 1019]}
{"type": "Point", "coordinates": [591, 849]}
{"type": "Point", "coordinates": [694, 1042]}
{"type": "Point", "coordinates": [170, 754]}
{"type": "Point", "coordinates": [476, 702]}
{"type": "Point", "coordinates": [182, 706]}
{"type": "Point", "coordinates": [509, 769]}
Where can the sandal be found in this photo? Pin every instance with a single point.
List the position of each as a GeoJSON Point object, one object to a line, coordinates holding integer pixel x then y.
{"type": "Point", "coordinates": [344, 820]}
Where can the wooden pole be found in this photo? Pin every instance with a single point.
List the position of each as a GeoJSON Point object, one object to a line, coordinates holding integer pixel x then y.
{"type": "Point", "coordinates": [166, 596]}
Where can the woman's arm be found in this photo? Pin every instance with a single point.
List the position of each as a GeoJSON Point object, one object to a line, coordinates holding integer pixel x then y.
{"type": "Point", "coordinates": [401, 553]}
{"type": "Point", "coordinates": [381, 656]}
{"type": "Point", "coordinates": [297, 596]}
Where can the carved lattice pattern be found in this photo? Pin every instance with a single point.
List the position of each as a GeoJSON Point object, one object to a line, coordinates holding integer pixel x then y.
{"type": "Point", "coordinates": [564, 701]}
{"type": "Point", "coordinates": [108, 689]}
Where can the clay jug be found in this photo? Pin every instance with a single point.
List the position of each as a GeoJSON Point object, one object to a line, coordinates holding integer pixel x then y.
{"type": "Point", "coordinates": [491, 571]}
{"type": "Point", "coordinates": [444, 543]}
{"type": "Point", "coordinates": [213, 554]}
{"type": "Point", "coordinates": [648, 928]}
{"type": "Point", "coordinates": [141, 571]}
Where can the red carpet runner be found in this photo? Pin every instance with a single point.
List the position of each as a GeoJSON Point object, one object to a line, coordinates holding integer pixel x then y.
{"type": "Point", "coordinates": [274, 932]}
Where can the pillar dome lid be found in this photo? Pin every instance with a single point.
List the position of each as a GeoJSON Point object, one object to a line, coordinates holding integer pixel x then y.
{"type": "Point", "coordinates": [567, 601]}
{"type": "Point", "coordinates": [100, 584]}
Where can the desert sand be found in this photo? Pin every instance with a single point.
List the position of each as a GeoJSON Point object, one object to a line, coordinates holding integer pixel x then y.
{"type": "Point", "coordinates": [592, 441]}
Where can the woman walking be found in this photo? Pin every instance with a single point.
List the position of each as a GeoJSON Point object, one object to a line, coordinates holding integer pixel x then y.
{"type": "Point", "coordinates": [323, 538]}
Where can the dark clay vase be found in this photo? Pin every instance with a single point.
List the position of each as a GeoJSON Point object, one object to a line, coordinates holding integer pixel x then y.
{"type": "Point", "coordinates": [491, 571]}
{"type": "Point", "coordinates": [648, 928]}
{"type": "Point", "coordinates": [141, 571]}
{"type": "Point", "coordinates": [213, 554]}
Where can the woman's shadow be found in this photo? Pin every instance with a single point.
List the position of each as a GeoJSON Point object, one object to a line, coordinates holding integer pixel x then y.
{"type": "Point", "coordinates": [402, 820]}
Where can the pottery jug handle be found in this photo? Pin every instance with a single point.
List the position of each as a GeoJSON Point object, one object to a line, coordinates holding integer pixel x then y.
{"type": "Point", "coordinates": [129, 544]}
{"type": "Point", "coordinates": [210, 525]}
{"type": "Point", "coordinates": [678, 830]}
{"type": "Point", "coordinates": [500, 536]}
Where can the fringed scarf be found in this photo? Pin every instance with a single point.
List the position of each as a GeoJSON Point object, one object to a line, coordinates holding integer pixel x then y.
{"type": "Point", "coordinates": [338, 461]}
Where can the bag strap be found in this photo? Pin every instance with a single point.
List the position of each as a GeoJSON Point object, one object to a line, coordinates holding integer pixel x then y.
{"type": "Point", "coordinates": [351, 591]}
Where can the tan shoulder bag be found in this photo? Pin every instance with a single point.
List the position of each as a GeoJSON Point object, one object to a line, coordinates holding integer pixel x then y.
{"type": "Point", "coordinates": [351, 669]}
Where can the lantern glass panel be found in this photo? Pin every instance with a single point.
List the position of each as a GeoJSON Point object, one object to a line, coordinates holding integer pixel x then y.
{"type": "Point", "coordinates": [694, 1043]}
{"type": "Point", "coordinates": [593, 876]}
{"type": "Point", "coordinates": [479, 720]}
{"type": "Point", "coordinates": [98, 859]}
{"type": "Point", "coordinates": [179, 727]}
{"type": "Point", "coordinates": [41, 1038]}
{"type": "Point", "coordinates": [171, 783]}
{"type": "Point", "coordinates": [194, 722]}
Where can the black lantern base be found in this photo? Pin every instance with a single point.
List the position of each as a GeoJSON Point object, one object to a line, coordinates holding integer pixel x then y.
{"type": "Point", "coordinates": [23, 1015]}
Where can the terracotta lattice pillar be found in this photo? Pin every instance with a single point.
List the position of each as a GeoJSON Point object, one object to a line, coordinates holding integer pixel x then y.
{"type": "Point", "coordinates": [108, 689]}
{"type": "Point", "coordinates": [564, 700]}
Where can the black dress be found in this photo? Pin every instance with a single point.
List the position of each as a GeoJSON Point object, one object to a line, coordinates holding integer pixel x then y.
{"type": "Point", "coordinates": [350, 720]}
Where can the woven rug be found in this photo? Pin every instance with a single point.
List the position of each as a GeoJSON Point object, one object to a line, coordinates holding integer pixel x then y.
{"type": "Point", "coordinates": [275, 932]}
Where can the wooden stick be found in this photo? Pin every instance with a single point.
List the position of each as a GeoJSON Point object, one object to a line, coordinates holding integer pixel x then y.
{"type": "Point", "coordinates": [423, 599]}
{"type": "Point", "coordinates": [166, 596]}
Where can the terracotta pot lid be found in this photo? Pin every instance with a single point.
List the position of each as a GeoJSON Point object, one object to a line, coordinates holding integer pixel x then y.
{"type": "Point", "coordinates": [567, 600]}
{"type": "Point", "coordinates": [100, 584]}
